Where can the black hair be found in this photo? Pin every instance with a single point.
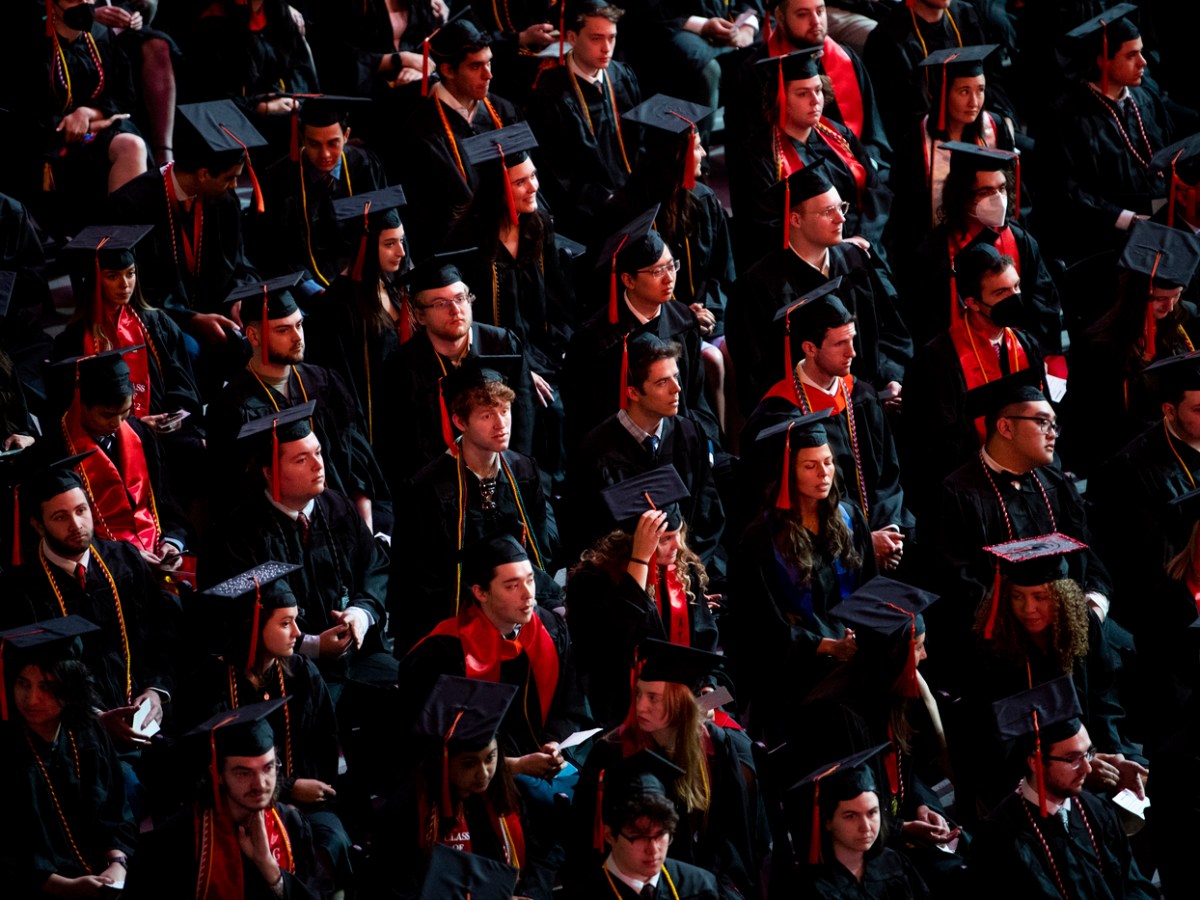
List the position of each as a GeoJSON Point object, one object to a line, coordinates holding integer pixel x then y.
{"type": "Point", "coordinates": [655, 807]}
{"type": "Point", "coordinates": [642, 355]}
{"type": "Point", "coordinates": [958, 194]}
{"type": "Point", "coordinates": [73, 686]}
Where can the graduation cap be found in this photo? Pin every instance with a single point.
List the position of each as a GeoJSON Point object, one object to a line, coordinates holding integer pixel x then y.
{"type": "Point", "coordinates": [463, 715]}
{"type": "Point", "coordinates": [111, 247]}
{"type": "Point", "coordinates": [1049, 711]}
{"type": "Point", "coordinates": [39, 486]}
{"type": "Point", "coordinates": [886, 608]}
{"type": "Point", "coordinates": [661, 489]}
{"type": "Point", "coordinates": [457, 873]}
{"type": "Point", "coordinates": [284, 426]}
{"type": "Point", "coordinates": [263, 301]}
{"type": "Point", "coordinates": [510, 146]}
{"type": "Point", "coordinates": [1167, 256]}
{"type": "Point", "coordinates": [8, 282]}
{"type": "Point", "coordinates": [1180, 163]}
{"type": "Point", "coordinates": [39, 643]}
{"type": "Point", "coordinates": [831, 784]}
{"type": "Point", "coordinates": [974, 158]}
{"type": "Point", "coordinates": [955, 62]}
{"type": "Point", "coordinates": [657, 660]}
{"type": "Point", "coordinates": [814, 313]}
{"type": "Point", "coordinates": [379, 211]}
{"type": "Point", "coordinates": [677, 120]}
{"type": "Point", "coordinates": [1029, 562]}
{"type": "Point", "coordinates": [1103, 36]}
{"type": "Point", "coordinates": [243, 731]}
{"type": "Point", "coordinates": [798, 432]}
{"type": "Point", "coordinates": [795, 66]}
{"type": "Point", "coordinates": [634, 246]}
{"type": "Point", "coordinates": [988, 399]}
{"type": "Point", "coordinates": [641, 775]}
{"type": "Point", "coordinates": [1175, 374]}
{"type": "Point", "coordinates": [438, 271]}
{"type": "Point", "coordinates": [481, 558]}
{"type": "Point", "coordinates": [476, 371]}
{"type": "Point", "coordinates": [570, 249]}
{"type": "Point", "coordinates": [261, 585]}
{"type": "Point", "coordinates": [447, 41]}
{"type": "Point", "coordinates": [101, 378]}
{"type": "Point", "coordinates": [790, 192]}
{"type": "Point", "coordinates": [217, 136]}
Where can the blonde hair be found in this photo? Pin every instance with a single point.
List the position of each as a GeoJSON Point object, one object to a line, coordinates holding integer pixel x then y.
{"type": "Point", "coordinates": [683, 714]}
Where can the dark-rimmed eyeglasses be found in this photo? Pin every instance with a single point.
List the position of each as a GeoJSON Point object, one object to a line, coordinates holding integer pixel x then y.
{"type": "Point", "coordinates": [645, 840]}
{"type": "Point", "coordinates": [1075, 760]}
{"type": "Point", "coordinates": [660, 271]}
{"type": "Point", "coordinates": [1044, 425]}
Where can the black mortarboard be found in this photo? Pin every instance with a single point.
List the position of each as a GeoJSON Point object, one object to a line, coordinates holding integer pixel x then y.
{"type": "Point", "coordinates": [261, 591]}
{"type": "Point", "coordinates": [796, 433]}
{"type": "Point", "coordinates": [56, 478]}
{"type": "Point", "coordinates": [634, 246]}
{"type": "Point", "coordinates": [788, 193]}
{"type": "Point", "coordinates": [1104, 34]}
{"type": "Point", "coordinates": [885, 607]}
{"type": "Point", "coordinates": [244, 731]}
{"type": "Point", "coordinates": [953, 62]}
{"type": "Point", "coordinates": [101, 379]}
{"type": "Point", "coordinates": [480, 559]}
{"type": "Point", "coordinates": [1048, 712]}
{"type": "Point", "coordinates": [660, 489]}
{"type": "Point", "coordinates": [569, 248]}
{"type": "Point", "coordinates": [1180, 164]}
{"type": "Point", "coordinates": [464, 713]}
{"type": "Point", "coordinates": [268, 432]}
{"type": "Point", "coordinates": [438, 271]}
{"type": "Point", "coordinates": [642, 774]}
{"type": "Point", "coordinates": [111, 245]}
{"type": "Point", "coordinates": [797, 65]}
{"type": "Point", "coordinates": [377, 211]}
{"type": "Point", "coordinates": [39, 643]}
{"type": "Point", "coordinates": [457, 34]}
{"type": "Point", "coordinates": [669, 114]}
{"type": "Point", "coordinates": [8, 282]}
{"type": "Point", "coordinates": [476, 371]}
{"type": "Point", "coordinates": [977, 159]}
{"type": "Point", "coordinates": [1175, 374]}
{"type": "Point", "coordinates": [502, 143]}
{"type": "Point", "coordinates": [457, 873]}
{"type": "Point", "coordinates": [663, 661]}
{"type": "Point", "coordinates": [831, 784]}
{"type": "Point", "coordinates": [252, 580]}
{"type": "Point", "coordinates": [263, 301]}
{"type": "Point", "coordinates": [810, 317]}
{"type": "Point", "coordinates": [1034, 561]}
{"type": "Point", "coordinates": [1169, 256]}
{"type": "Point", "coordinates": [216, 136]}
{"type": "Point", "coordinates": [324, 110]}
{"type": "Point", "coordinates": [988, 399]}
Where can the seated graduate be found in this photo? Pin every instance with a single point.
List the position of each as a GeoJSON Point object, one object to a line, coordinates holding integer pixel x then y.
{"type": "Point", "coordinates": [1051, 837]}
{"type": "Point", "coordinates": [649, 431]}
{"type": "Point", "coordinates": [640, 822]}
{"type": "Point", "coordinates": [257, 616]}
{"type": "Point", "coordinates": [640, 581]}
{"type": "Point", "coordinates": [453, 872]}
{"type": "Point", "coordinates": [642, 271]}
{"type": "Point", "coordinates": [235, 839]}
{"type": "Point", "coordinates": [126, 481]}
{"type": "Point", "coordinates": [1107, 402]}
{"type": "Point", "coordinates": [299, 230]}
{"type": "Point", "coordinates": [476, 488]}
{"type": "Point", "coordinates": [796, 136]}
{"type": "Point", "coordinates": [712, 796]}
{"type": "Point", "coordinates": [275, 378]}
{"type": "Point", "coordinates": [364, 316]}
{"type": "Point", "coordinates": [981, 345]}
{"type": "Point", "coordinates": [414, 428]}
{"type": "Point", "coordinates": [805, 552]}
{"type": "Point", "coordinates": [459, 796]}
{"type": "Point", "coordinates": [1037, 627]}
{"type": "Point", "coordinates": [847, 849]}
{"type": "Point", "coordinates": [867, 464]}
{"type": "Point", "coordinates": [815, 252]}
{"type": "Point", "coordinates": [59, 770]}
{"type": "Point", "coordinates": [980, 203]}
{"type": "Point", "coordinates": [589, 146]}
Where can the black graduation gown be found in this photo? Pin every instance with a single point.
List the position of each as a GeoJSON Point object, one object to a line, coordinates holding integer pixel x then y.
{"type": "Point", "coordinates": [523, 729]}
{"type": "Point", "coordinates": [168, 867]}
{"type": "Point", "coordinates": [580, 158]}
{"type": "Point", "coordinates": [298, 232]}
{"type": "Point", "coordinates": [425, 553]}
{"type": "Point", "coordinates": [935, 399]}
{"type": "Point", "coordinates": [408, 424]}
{"type": "Point", "coordinates": [1175, 803]}
{"type": "Point", "coordinates": [882, 343]}
{"type": "Point", "coordinates": [888, 876]}
{"type": "Point", "coordinates": [516, 67]}
{"type": "Point", "coordinates": [607, 623]}
{"type": "Point", "coordinates": [610, 454]}
{"type": "Point", "coordinates": [150, 617]}
{"type": "Point", "coordinates": [1010, 860]}
{"type": "Point", "coordinates": [689, 883]}
{"type": "Point", "coordinates": [92, 802]}
{"type": "Point", "coordinates": [591, 379]}
{"type": "Point", "coordinates": [719, 840]}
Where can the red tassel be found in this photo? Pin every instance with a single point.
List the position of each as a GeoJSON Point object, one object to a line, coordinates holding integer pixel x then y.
{"type": "Point", "coordinates": [266, 356]}
{"type": "Point", "coordinates": [510, 201]}
{"type": "Point", "coordinates": [1150, 326]}
{"type": "Point", "coordinates": [405, 318]}
{"type": "Point", "coordinates": [254, 625]}
{"type": "Point", "coordinates": [907, 682]}
{"type": "Point", "coordinates": [781, 91]}
{"type": "Point", "coordinates": [612, 288]}
{"type": "Point", "coordinates": [784, 499]}
{"type": "Point", "coordinates": [212, 770]}
{"type": "Point", "coordinates": [49, 33]}
{"type": "Point", "coordinates": [598, 818]}
{"type": "Point", "coordinates": [425, 64]}
{"type": "Point", "coordinates": [16, 550]}
{"type": "Point", "coordinates": [814, 840]}
{"type": "Point", "coordinates": [294, 141]}
{"type": "Point", "coordinates": [787, 210]}
{"type": "Point", "coordinates": [447, 429]}
{"type": "Point", "coordinates": [692, 161]}
{"type": "Point", "coordinates": [955, 312]}
{"type": "Point", "coordinates": [1104, 58]}
{"type": "Point", "coordinates": [356, 272]}
{"type": "Point", "coordinates": [275, 462]}
{"type": "Point", "coordinates": [1016, 213]}
{"type": "Point", "coordinates": [258, 194]}
{"type": "Point", "coordinates": [447, 800]}
{"type": "Point", "coordinates": [1041, 769]}
{"type": "Point", "coordinates": [624, 372]}
{"type": "Point", "coordinates": [562, 31]}
{"type": "Point", "coordinates": [991, 619]}
{"type": "Point", "coordinates": [97, 299]}
{"type": "Point", "coordinates": [1171, 195]}
{"type": "Point", "coordinates": [942, 102]}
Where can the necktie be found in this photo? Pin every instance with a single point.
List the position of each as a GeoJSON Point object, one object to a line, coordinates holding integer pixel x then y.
{"type": "Point", "coordinates": [81, 575]}
{"type": "Point", "coordinates": [648, 891]}
{"type": "Point", "coordinates": [651, 445]}
{"type": "Point", "coordinates": [302, 521]}
{"type": "Point", "coordinates": [1002, 356]}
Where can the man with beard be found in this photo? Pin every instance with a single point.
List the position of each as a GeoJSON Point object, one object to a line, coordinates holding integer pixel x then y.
{"type": "Point", "coordinates": [236, 840]}
{"type": "Point", "coordinates": [276, 378]}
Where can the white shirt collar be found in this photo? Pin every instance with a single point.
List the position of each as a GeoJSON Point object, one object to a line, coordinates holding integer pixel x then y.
{"type": "Point", "coordinates": [823, 268]}
{"type": "Point", "coordinates": [1028, 792]}
{"type": "Point", "coordinates": [996, 467]}
{"type": "Point", "coordinates": [637, 315]}
{"type": "Point", "coordinates": [635, 884]}
{"type": "Point", "coordinates": [180, 195]}
{"type": "Point", "coordinates": [439, 91]}
{"type": "Point", "coordinates": [1121, 97]}
{"type": "Point", "coordinates": [637, 430]}
{"type": "Point", "coordinates": [292, 514]}
{"type": "Point", "coordinates": [828, 391]}
{"type": "Point", "coordinates": [67, 565]}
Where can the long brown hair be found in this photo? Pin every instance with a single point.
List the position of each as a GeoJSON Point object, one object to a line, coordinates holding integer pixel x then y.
{"type": "Point", "coordinates": [501, 793]}
{"type": "Point", "coordinates": [683, 714]}
{"type": "Point", "coordinates": [611, 554]}
{"type": "Point", "coordinates": [1068, 628]}
{"type": "Point", "coordinates": [85, 308]}
{"type": "Point", "coordinates": [796, 542]}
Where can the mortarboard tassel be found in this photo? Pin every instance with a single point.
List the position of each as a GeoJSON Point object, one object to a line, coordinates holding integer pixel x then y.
{"type": "Point", "coordinates": [356, 272]}
{"type": "Point", "coordinates": [1104, 58]}
{"type": "Point", "coordinates": [814, 839]}
{"type": "Point", "coordinates": [447, 800]}
{"type": "Point", "coordinates": [259, 205]}
{"type": "Point", "coordinates": [784, 499]}
{"type": "Point", "coordinates": [941, 122]}
{"type": "Point", "coordinates": [212, 761]}
{"type": "Point", "coordinates": [405, 318]}
{"type": "Point", "coordinates": [510, 202]}
{"type": "Point", "coordinates": [612, 288]}
{"type": "Point", "coordinates": [690, 161]}
{"type": "Point", "coordinates": [425, 64]}
{"type": "Point", "coordinates": [50, 33]}
{"type": "Point", "coordinates": [598, 818]}
{"type": "Point", "coordinates": [624, 372]}
{"type": "Point", "coordinates": [781, 93]}
{"type": "Point", "coordinates": [1016, 213]}
{"type": "Point", "coordinates": [1150, 326]}
{"type": "Point", "coordinates": [907, 682]}
{"type": "Point", "coordinates": [1171, 192]}
{"type": "Point", "coordinates": [266, 356]}
{"type": "Point", "coordinates": [275, 461]}
{"type": "Point", "coordinates": [294, 139]}
{"type": "Point", "coordinates": [991, 619]}
{"type": "Point", "coordinates": [97, 300]}
{"type": "Point", "coordinates": [955, 312]}
{"type": "Point", "coordinates": [447, 430]}
{"type": "Point", "coordinates": [1041, 770]}
{"type": "Point", "coordinates": [562, 31]}
{"type": "Point", "coordinates": [16, 550]}
{"type": "Point", "coordinates": [254, 626]}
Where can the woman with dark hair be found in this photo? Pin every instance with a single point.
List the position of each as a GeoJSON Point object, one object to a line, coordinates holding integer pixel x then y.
{"type": "Point", "coordinates": [59, 772]}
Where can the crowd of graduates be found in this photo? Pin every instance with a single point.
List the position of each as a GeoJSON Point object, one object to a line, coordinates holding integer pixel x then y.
{"type": "Point", "coordinates": [586, 448]}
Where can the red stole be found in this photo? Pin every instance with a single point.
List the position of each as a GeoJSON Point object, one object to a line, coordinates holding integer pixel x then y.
{"type": "Point", "coordinates": [129, 332]}
{"type": "Point", "coordinates": [817, 400]}
{"type": "Point", "coordinates": [978, 360]}
{"type": "Point", "coordinates": [484, 650]}
{"type": "Point", "coordinates": [840, 68]}
{"type": "Point", "coordinates": [124, 508]}
{"type": "Point", "coordinates": [789, 160]}
{"type": "Point", "coordinates": [219, 855]}
{"type": "Point", "coordinates": [681, 631]}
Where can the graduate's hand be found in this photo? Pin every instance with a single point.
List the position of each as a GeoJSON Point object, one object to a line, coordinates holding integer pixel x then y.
{"type": "Point", "coordinates": [407, 76]}
{"type": "Point", "coordinates": [743, 37]}
{"type": "Point", "coordinates": [842, 649]}
{"type": "Point", "coordinates": [335, 641]}
{"type": "Point", "coordinates": [440, 10]}
{"type": "Point", "coordinates": [1114, 771]}
{"type": "Point", "coordinates": [211, 327]}
{"type": "Point", "coordinates": [650, 527]}
{"type": "Point", "coordinates": [894, 402]}
{"type": "Point", "coordinates": [356, 620]}
{"type": "Point", "coordinates": [169, 556]}
{"type": "Point", "coordinates": [889, 547]}
{"type": "Point", "coordinates": [858, 241]}
{"type": "Point", "coordinates": [541, 387]}
{"type": "Point", "coordinates": [156, 707]}
{"type": "Point", "coordinates": [929, 828]}
{"type": "Point", "coordinates": [18, 441]}
{"type": "Point", "coordinates": [297, 19]}
{"type": "Point", "coordinates": [115, 17]}
{"type": "Point", "coordinates": [717, 30]}
{"type": "Point", "coordinates": [310, 790]}
{"type": "Point", "coordinates": [708, 322]}
{"type": "Point", "coordinates": [118, 722]}
{"type": "Point", "coordinates": [84, 886]}
{"type": "Point", "coordinates": [537, 37]}
{"type": "Point", "coordinates": [252, 838]}
{"type": "Point", "coordinates": [75, 126]}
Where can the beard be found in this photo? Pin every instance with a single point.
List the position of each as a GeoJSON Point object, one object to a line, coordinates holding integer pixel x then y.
{"type": "Point", "coordinates": [290, 358]}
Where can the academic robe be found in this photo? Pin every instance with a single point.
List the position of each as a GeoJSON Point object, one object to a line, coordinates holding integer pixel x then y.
{"type": "Point", "coordinates": [679, 55]}
{"type": "Point", "coordinates": [524, 729]}
{"type": "Point", "coordinates": [516, 67]}
{"type": "Point", "coordinates": [609, 620]}
{"type": "Point", "coordinates": [1175, 803]}
{"type": "Point", "coordinates": [888, 876]}
{"type": "Point", "coordinates": [298, 232]}
{"type": "Point", "coordinates": [719, 841]}
{"type": "Point", "coordinates": [168, 865]}
{"type": "Point", "coordinates": [425, 553]}
{"type": "Point", "coordinates": [349, 43]}
{"type": "Point", "coordinates": [408, 423]}
{"type": "Point", "coordinates": [148, 619]}
{"type": "Point", "coordinates": [86, 789]}
{"type": "Point", "coordinates": [610, 454]}
{"type": "Point", "coordinates": [778, 280]}
{"type": "Point", "coordinates": [687, 882]}
{"type": "Point", "coordinates": [591, 378]}
{"type": "Point", "coordinates": [1010, 857]}
{"type": "Point", "coordinates": [581, 158]}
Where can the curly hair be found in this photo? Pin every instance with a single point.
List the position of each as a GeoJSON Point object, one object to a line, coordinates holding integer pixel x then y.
{"type": "Point", "coordinates": [683, 714]}
{"type": "Point", "coordinates": [611, 554]}
{"type": "Point", "coordinates": [488, 395]}
{"type": "Point", "coordinates": [1068, 628]}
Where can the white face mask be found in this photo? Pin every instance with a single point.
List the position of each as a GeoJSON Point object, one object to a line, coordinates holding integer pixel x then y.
{"type": "Point", "coordinates": [992, 209]}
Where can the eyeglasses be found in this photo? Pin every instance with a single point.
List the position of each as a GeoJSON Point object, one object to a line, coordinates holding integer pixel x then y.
{"type": "Point", "coordinates": [1044, 425]}
{"type": "Point", "coordinates": [446, 303]}
{"type": "Point", "coordinates": [659, 271]}
{"type": "Point", "coordinates": [829, 211]}
{"type": "Point", "coordinates": [645, 840]}
{"type": "Point", "coordinates": [1076, 760]}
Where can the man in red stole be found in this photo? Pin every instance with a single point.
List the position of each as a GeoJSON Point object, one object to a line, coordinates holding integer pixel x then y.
{"type": "Point", "coordinates": [979, 347]}
{"type": "Point", "coordinates": [236, 841]}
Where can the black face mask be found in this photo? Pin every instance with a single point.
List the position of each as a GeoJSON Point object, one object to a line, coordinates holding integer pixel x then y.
{"type": "Point", "coordinates": [1009, 312]}
{"type": "Point", "coordinates": [79, 18]}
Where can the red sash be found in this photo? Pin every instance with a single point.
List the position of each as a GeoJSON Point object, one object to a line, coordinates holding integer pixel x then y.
{"type": "Point", "coordinates": [219, 855]}
{"type": "Point", "coordinates": [460, 837]}
{"type": "Point", "coordinates": [484, 650]}
{"type": "Point", "coordinates": [124, 509]}
{"type": "Point", "coordinates": [840, 68]}
{"type": "Point", "coordinates": [789, 159]}
{"type": "Point", "coordinates": [129, 332]}
{"type": "Point", "coordinates": [818, 400]}
{"type": "Point", "coordinates": [681, 631]}
{"type": "Point", "coordinates": [978, 360]}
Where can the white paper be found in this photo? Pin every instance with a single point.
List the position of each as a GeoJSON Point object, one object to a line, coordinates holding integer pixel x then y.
{"type": "Point", "coordinates": [551, 50]}
{"type": "Point", "coordinates": [1056, 386]}
{"type": "Point", "coordinates": [1128, 800]}
{"type": "Point", "coordinates": [578, 738]}
{"type": "Point", "coordinates": [743, 18]}
{"type": "Point", "coordinates": [713, 699]}
{"type": "Point", "coordinates": [139, 721]}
